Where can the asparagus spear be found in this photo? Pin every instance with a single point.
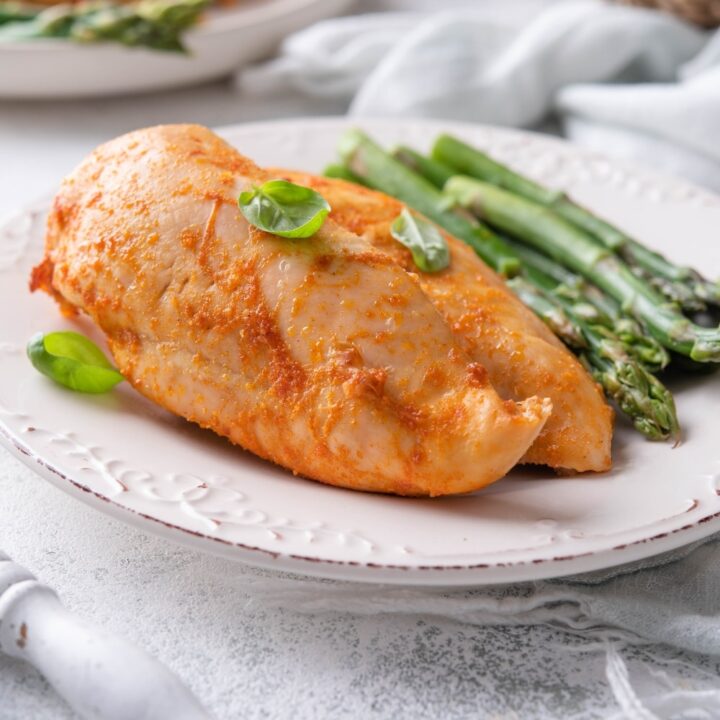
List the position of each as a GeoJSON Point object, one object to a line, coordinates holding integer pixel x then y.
{"type": "Point", "coordinates": [638, 393]}
{"type": "Point", "coordinates": [646, 348]}
{"type": "Point", "coordinates": [157, 24]}
{"type": "Point", "coordinates": [342, 172]}
{"type": "Point", "coordinates": [593, 306]}
{"type": "Point", "coordinates": [569, 245]}
{"type": "Point", "coordinates": [549, 311]}
{"type": "Point", "coordinates": [378, 169]}
{"type": "Point", "coordinates": [684, 295]}
{"type": "Point", "coordinates": [680, 284]}
{"type": "Point", "coordinates": [11, 12]}
{"type": "Point", "coordinates": [433, 170]}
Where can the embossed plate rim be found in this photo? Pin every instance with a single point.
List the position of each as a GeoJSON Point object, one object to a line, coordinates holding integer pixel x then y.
{"type": "Point", "coordinates": [467, 575]}
{"type": "Point", "coordinates": [460, 573]}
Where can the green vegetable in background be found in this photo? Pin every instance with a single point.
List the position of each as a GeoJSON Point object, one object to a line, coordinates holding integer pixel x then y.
{"type": "Point", "coordinates": [11, 12]}
{"type": "Point", "coordinates": [428, 247]}
{"type": "Point", "coordinates": [72, 360]}
{"type": "Point", "coordinates": [155, 24]}
{"type": "Point", "coordinates": [285, 209]}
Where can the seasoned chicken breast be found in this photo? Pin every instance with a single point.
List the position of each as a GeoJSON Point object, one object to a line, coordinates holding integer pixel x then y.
{"type": "Point", "coordinates": [521, 355]}
{"type": "Point", "coordinates": [323, 355]}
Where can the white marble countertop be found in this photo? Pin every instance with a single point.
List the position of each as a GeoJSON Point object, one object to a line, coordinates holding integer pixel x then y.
{"type": "Point", "coordinates": [242, 658]}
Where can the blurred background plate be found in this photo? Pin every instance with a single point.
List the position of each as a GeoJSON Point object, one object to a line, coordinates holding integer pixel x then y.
{"type": "Point", "coordinates": [227, 39]}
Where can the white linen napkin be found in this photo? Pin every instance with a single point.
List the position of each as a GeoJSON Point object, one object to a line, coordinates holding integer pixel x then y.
{"type": "Point", "coordinates": [622, 80]}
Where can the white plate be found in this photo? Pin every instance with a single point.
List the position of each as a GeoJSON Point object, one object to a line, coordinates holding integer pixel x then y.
{"type": "Point", "coordinates": [131, 459]}
{"type": "Point", "coordinates": [228, 39]}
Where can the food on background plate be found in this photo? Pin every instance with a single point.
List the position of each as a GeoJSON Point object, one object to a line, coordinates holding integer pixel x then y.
{"type": "Point", "coordinates": [522, 356]}
{"type": "Point", "coordinates": [320, 353]}
{"type": "Point", "coordinates": [154, 24]}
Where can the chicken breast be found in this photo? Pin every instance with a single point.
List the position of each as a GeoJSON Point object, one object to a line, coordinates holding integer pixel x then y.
{"type": "Point", "coordinates": [522, 356]}
{"type": "Point", "coordinates": [323, 355]}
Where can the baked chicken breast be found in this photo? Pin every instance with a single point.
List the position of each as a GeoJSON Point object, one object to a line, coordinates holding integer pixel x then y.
{"type": "Point", "coordinates": [522, 356]}
{"type": "Point", "coordinates": [323, 355]}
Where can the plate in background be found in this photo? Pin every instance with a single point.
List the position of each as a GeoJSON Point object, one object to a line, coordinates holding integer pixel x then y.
{"type": "Point", "coordinates": [130, 459]}
{"type": "Point", "coordinates": [226, 40]}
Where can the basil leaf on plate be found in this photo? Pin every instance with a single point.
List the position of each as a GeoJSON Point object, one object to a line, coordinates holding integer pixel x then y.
{"type": "Point", "coordinates": [285, 209]}
{"type": "Point", "coordinates": [426, 243]}
{"type": "Point", "coordinates": [72, 360]}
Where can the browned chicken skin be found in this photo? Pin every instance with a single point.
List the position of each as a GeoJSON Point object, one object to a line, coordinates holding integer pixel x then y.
{"type": "Point", "coordinates": [323, 355]}
{"type": "Point", "coordinates": [521, 355]}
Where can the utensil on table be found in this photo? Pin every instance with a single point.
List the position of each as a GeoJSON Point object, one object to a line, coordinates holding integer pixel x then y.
{"type": "Point", "coordinates": [100, 675]}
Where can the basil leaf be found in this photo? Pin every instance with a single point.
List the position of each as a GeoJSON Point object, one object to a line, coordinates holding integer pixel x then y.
{"type": "Point", "coordinates": [285, 209]}
{"type": "Point", "coordinates": [72, 360]}
{"type": "Point", "coordinates": [426, 243]}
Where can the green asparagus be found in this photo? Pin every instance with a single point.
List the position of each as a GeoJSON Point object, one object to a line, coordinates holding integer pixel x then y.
{"type": "Point", "coordinates": [156, 24]}
{"type": "Point", "coordinates": [638, 393]}
{"type": "Point", "coordinates": [436, 172]}
{"type": "Point", "coordinates": [11, 12]}
{"type": "Point", "coordinates": [342, 172]}
{"type": "Point", "coordinates": [567, 244]}
{"type": "Point", "coordinates": [590, 304]}
{"type": "Point", "coordinates": [550, 311]}
{"type": "Point", "coordinates": [679, 284]}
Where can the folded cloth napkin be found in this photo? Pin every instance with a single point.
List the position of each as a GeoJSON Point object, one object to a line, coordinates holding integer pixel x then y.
{"type": "Point", "coordinates": [622, 80]}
